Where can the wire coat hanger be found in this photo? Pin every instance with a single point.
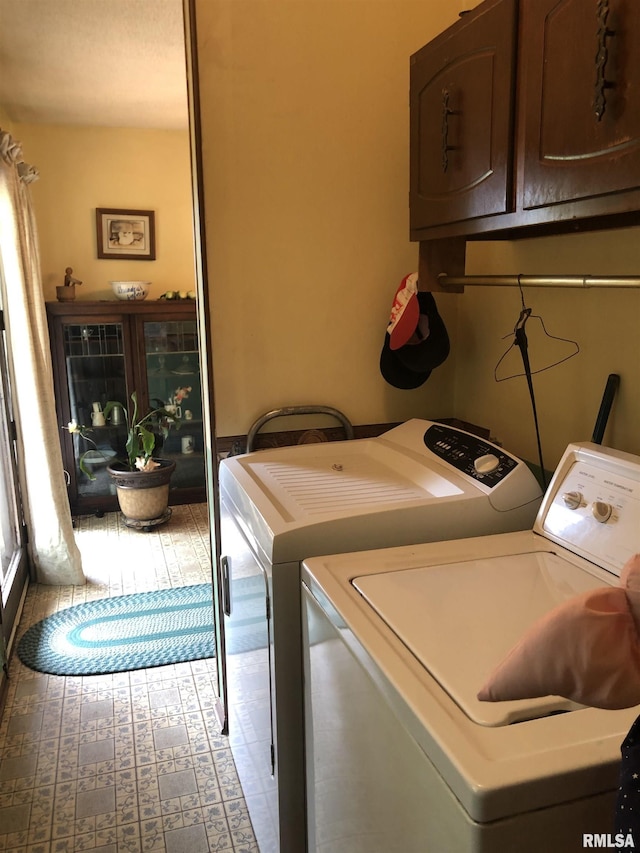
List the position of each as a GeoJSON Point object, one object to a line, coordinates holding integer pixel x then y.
{"type": "Point", "coordinates": [520, 341]}
{"type": "Point", "coordinates": [520, 337]}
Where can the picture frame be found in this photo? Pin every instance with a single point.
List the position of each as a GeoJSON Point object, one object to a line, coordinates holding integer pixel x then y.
{"type": "Point", "coordinates": [127, 235]}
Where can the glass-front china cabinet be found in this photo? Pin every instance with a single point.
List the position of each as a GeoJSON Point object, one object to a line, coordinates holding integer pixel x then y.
{"type": "Point", "coordinates": [105, 351]}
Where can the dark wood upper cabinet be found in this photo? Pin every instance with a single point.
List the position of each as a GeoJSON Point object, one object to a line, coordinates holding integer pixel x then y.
{"type": "Point", "coordinates": [461, 97]}
{"type": "Point", "coordinates": [567, 71]}
{"type": "Point", "coordinates": [580, 94]}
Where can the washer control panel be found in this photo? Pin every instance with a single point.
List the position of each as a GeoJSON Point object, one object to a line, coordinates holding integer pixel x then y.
{"type": "Point", "coordinates": [595, 511]}
{"type": "Point", "coordinates": [474, 456]}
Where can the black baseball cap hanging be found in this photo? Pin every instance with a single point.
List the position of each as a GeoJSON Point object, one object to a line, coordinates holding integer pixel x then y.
{"type": "Point", "coordinates": [416, 340]}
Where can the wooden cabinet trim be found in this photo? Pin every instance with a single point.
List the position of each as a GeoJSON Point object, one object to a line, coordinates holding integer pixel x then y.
{"type": "Point", "coordinates": [573, 202]}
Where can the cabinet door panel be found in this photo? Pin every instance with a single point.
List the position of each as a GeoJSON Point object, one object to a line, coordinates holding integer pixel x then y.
{"type": "Point", "coordinates": [581, 137]}
{"type": "Point", "coordinates": [95, 372]}
{"type": "Point", "coordinates": [172, 373]}
{"type": "Point", "coordinates": [461, 119]}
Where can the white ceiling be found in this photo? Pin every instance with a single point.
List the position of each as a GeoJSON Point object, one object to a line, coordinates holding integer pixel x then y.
{"type": "Point", "coordinates": [116, 63]}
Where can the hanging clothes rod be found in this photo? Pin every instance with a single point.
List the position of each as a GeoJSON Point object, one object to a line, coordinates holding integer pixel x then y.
{"type": "Point", "coordinates": [584, 281]}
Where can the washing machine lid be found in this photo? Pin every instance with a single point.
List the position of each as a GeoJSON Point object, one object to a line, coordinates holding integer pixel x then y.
{"type": "Point", "coordinates": [459, 620]}
{"type": "Point", "coordinates": [335, 497]}
{"type": "Point", "coordinates": [339, 479]}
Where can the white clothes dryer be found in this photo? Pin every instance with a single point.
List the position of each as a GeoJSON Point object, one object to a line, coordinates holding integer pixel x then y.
{"type": "Point", "coordinates": [400, 754]}
{"type": "Point", "coordinates": [418, 482]}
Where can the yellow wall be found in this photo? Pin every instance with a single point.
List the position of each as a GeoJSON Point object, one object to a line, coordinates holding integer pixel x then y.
{"type": "Point", "coordinates": [5, 122]}
{"type": "Point", "coordinates": [305, 130]}
{"type": "Point", "coordinates": [82, 168]}
{"type": "Point", "coordinates": [604, 323]}
{"type": "Point", "coordinates": [305, 117]}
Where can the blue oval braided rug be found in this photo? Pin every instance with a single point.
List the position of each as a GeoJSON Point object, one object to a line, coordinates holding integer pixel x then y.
{"type": "Point", "coordinates": [135, 631]}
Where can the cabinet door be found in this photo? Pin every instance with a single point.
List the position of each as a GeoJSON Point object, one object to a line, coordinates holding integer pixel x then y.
{"type": "Point", "coordinates": [95, 372]}
{"type": "Point", "coordinates": [247, 668]}
{"type": "Point", "coordinates": [580, 81]}
{"type": "Point", "coordinates": [172, 373]}
{"type": "Point", "coordinates": [461, 119]}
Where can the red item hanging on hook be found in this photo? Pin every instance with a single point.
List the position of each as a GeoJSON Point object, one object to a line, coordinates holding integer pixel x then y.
{"type": "Point", "coordinates": [405, 312]}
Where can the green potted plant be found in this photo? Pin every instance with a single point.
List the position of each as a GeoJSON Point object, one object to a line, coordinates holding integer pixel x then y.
{"type": "Point", "coordinates": [141, 479]}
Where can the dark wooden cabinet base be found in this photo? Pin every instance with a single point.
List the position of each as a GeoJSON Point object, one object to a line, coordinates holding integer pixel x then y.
{"type": "Point", "coordinates": [104, 351]}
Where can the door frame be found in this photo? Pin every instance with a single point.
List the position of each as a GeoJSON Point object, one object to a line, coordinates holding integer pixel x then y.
{"type": "Point", "coordinates": [206, 352]}
{"type": "Point", "coordinates": [17, 575]}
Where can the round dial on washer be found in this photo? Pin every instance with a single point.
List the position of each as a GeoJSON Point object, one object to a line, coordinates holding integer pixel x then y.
{"type": "Point", "coordinates": [572, 500]}
{"type": "Point", "coordinates": [486, 464]}
{"type": "Point", "coordinates": [601, 511]}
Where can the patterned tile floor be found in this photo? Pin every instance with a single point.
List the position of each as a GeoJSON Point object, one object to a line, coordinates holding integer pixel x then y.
{"type": "Point", "coordinates": [126, 762]}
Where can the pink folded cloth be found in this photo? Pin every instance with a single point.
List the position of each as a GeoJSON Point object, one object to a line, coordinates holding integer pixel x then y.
{"type": "Point", "coordinates": [586, 649]}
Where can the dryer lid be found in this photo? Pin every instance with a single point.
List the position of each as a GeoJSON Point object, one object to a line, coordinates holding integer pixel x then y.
{"type": "Point", "coordinates": [459, 620]}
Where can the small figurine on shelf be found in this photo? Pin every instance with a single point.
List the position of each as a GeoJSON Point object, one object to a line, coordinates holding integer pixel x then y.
{"type": "Point", "coordinates": [181, 394]}
{"type": "Point", "coordinates": [69, 280]}
{"type": "Point", "coordinates": [174, 405]}
{"type": "Point", "coordinates": [67, 292]}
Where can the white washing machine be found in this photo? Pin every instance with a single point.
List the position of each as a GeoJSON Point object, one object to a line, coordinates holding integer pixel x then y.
{"type": "Point", "coordinates": [419, 482]}
{"type": "Point", "coordinates": [400, 754]}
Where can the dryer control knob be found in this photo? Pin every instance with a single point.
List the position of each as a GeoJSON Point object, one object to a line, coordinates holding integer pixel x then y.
{"type": "Point", "coordinates": [601, 511]}
{"type": "Point", "coordinates": [572, 500]}
{"type": "Point", "coordinates": [486, 464]}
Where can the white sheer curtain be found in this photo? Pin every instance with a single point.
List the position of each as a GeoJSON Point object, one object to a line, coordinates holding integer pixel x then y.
{"type": "Point", "coordinates": [54, 555]}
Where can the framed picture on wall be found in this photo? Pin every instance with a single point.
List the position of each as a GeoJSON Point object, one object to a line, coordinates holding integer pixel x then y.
{"type": "Point", "coordinates": [128, 235]}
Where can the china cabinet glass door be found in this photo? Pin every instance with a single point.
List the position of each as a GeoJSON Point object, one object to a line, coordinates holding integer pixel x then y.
{"type": "Point", "coordinates": [173, 381]}
{"type": "Point", "coordinates": [95, 370]}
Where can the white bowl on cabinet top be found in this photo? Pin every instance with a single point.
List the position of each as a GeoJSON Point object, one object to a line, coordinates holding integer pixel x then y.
{"type": "Point", "coordinates": [130, 290]}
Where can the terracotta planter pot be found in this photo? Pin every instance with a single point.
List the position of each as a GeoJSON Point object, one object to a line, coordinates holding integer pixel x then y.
{"type": "Point", "coordinates": [143, 496]}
